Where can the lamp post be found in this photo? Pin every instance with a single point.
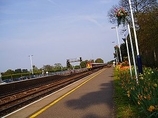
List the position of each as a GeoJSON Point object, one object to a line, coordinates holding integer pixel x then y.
{"type": "Point", "coordinates": [116, 52]}
{"type": "Point", "coordinates": [31, 63]}
{"type": "Point", "coordinates": [118, 42]}
{"type": "Point", "coordinates": [134, 62]}
{"type": "Point", "coordinates": [126, 42]}
{"type": "Point", "coordinates": [139, 63]}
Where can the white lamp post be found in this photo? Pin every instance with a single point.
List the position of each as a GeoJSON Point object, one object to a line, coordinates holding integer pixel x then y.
{"type": "Point", "coordinates": [31, 63]}
{"type": "Point", "coordinates": [128, 57]}
{"type": "Point", "coordinates": [118, 42]}
{"type": "Point", "coordinates": [134, 62]}
{"type": "Point", "coordinates": [136, 42]}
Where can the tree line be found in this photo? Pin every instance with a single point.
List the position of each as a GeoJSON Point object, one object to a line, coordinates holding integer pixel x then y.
{"type": "Point", "coordinates": [11, 74]}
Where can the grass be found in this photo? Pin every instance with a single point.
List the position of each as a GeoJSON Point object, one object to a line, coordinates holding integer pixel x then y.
{"type": "Point", "coordinates": [124, 108]}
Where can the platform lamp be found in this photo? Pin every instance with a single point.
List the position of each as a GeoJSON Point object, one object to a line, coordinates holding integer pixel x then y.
{"type": "Point", "coordinates": [31, 63]}
{"type": "Point", "coordinates": [139, 62]}
{"type": "Point", "coordinates": [118, 42]}
{"type": "Point", "coordinates": [129, 60]}
{"type": "Point", "coordinates": [133, 55]}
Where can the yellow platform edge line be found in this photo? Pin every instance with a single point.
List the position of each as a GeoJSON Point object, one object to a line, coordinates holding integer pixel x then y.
{"type": "Point", "coordinates": [63, 96]}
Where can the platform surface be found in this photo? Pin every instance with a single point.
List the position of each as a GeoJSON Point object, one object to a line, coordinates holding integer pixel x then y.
{"type": "Point", "coordinates": [91, 97]}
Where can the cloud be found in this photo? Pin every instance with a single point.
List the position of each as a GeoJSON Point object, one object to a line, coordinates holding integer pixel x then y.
{"type": "Point", "coordinates": [93, 21]}
{"type": "Point", "coordinates": [52, 2]}
{"type": "Point", "coordinates": [105, 1]}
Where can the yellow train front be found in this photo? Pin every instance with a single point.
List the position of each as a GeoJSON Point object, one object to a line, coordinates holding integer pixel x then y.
{"type": "Point", "coordinates": [91, 66]}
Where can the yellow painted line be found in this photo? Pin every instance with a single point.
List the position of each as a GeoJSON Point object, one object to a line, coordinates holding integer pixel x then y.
{"type": "Point", "coordinates": [60, 98]}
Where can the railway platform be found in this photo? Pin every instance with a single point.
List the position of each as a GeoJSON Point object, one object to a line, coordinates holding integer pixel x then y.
{"type": "Point", "coordinates": [90, 97]}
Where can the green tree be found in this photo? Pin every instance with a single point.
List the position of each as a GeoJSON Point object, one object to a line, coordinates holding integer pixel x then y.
{"type": "Point", "coordinates": [146, 20]}
{"type": "Point", "coordinates": [138, 6]}
{"type": "Point", "coordinates": [123, 51]}
{"type": "Point", "coordinates": [48, 68]}
{"type": "Point", "coordinates": [24, 71]}
{"type": "Point", "coordinates": [83, 63]}
{"type": "Point", "coordinates": [77, 67]}
{"type": "Point", "coordinates": [18, 70]}
{"type": "Point", "coordinates": [99, 60]}
{"type": "Point", "coordinates": [148, 37]}
{"type": "Point", "coordinates": [9, 72]}
{"type": "Point", "coordinates": [36, 70]}
{"type": "Point", "coordinates": [58, 67]}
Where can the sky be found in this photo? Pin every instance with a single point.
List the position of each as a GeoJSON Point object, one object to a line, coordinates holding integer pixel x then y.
{"type": "Point", "coordinates": [54, 31]}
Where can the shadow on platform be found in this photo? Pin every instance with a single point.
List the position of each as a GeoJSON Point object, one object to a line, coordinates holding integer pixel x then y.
{"type": "Point", "coordinates": [104, 96]}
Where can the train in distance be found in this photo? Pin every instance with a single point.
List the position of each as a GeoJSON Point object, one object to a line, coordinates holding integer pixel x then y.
{"type": "Point", "coordinates": [91, 65]}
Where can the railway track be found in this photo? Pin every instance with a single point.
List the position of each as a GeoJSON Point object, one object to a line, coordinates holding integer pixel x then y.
{"type": "Point", "coordinates": [15, 101]}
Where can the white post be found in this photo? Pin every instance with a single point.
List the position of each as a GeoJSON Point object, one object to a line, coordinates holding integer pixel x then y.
{"type": "Point", "coordinates": [134, 62]}
{"type": "Point", "coordinates": [118, 41]}
{"type": "Point", "coordinates": [31, 63]}
{"type": "Point", "coordinates": [129, 58]}
{"type": "Point", "coordinates": [134, 30]}
{"type": "Point", "coordinates": [136, 42]}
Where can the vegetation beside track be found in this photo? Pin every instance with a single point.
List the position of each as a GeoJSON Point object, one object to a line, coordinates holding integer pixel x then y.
{"type": "Point", "coordinates": [123, 107]}
{"type": "Point", "coordinates": [136, 100]}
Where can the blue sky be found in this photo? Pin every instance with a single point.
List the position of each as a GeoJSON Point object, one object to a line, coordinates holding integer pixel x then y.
{"type": "Point", "coordinates": [53, 31]}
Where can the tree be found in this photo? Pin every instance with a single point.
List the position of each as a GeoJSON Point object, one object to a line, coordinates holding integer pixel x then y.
{"type": "Point", "coordinates": [146, 18]}
{"type": "Point", "coordinates": [8, 72]}
{"type": "Point", "coordinates": [148, 37]}
{"type": "Point", "coordinates": [77, 67]}
{"type": "Point", "coordinates": [117, 53]}
{"type": "Point", "coordinates": [36, 70]}
{"type": "Point", "coordinates": [58, 67]}
{"type": "Point", "coordinates": [123, 50]}
{"type": "Point", "coordinates": [99, 60]}
{"type": "Point", "coordinates": [18, 70]}
{"type": "Point", "coordinates": [83, 63]}
{"type": "Point", "coordinates": [138, 6]}
{"type": "Point", "coordinates": [58, 64]}
{"type": "Point", "coordinates": [48, 68]}
{"type": "Point", "coordinates": [24, 70]}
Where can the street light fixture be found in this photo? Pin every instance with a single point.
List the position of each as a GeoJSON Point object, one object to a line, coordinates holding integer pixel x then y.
{"type": "Point", "coordinates": [118, 42]}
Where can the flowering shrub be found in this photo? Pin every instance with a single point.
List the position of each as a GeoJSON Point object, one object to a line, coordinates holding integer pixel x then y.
{"type": "Point", "coordinates": [120, 15]}
{"type": "Point", "coordinates": [145, 93]}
